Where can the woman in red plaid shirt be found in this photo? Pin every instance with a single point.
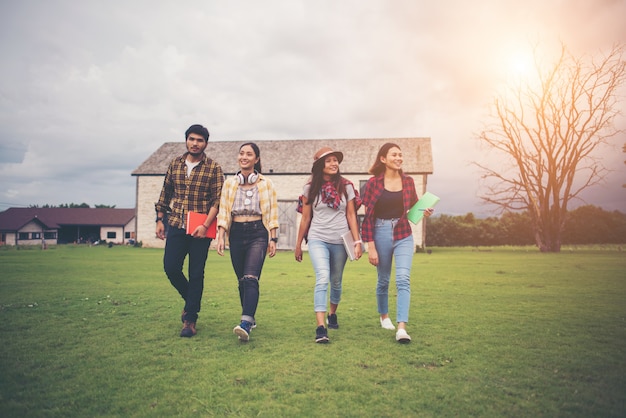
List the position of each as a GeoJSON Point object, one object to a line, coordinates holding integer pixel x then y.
{"type": "Point", "coordinates": [387, 197]}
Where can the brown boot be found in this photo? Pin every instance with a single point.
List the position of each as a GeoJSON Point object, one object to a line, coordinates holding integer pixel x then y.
{"type": "Point", "coordinates": [189, 329]}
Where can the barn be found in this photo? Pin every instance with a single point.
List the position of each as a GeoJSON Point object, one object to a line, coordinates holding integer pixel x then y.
{"type": "Point", "coordinates": [288, 164]}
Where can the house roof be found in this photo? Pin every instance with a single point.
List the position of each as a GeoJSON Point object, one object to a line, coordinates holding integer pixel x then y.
{"type": "Point", "coordinates": [13, 219]}
{"type": "Point", "coordinates": [296, 156]}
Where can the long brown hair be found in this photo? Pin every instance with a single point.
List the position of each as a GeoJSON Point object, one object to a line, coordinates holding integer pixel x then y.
{"type": "Point", "coordinates": [317, 181]}
{"type": "Point", "coordinates": [378, 167]}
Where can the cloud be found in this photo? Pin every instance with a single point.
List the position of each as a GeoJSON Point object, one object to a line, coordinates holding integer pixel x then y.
{"type": "Point", "coordinates": [94, 88]}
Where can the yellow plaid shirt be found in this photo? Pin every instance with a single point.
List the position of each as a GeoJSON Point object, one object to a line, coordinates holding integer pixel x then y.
{"type": "Point", "coordinates": [267, 198]}
{"type": "Point", "coordinates": [196, 193]}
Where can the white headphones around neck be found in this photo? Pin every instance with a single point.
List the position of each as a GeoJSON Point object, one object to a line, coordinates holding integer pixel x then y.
{"type": "Point", "coordinates": [251, 179]}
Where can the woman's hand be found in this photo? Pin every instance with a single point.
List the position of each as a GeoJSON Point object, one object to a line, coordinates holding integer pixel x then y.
{"type": "Point", "coordinates": [220, 245]}
{"type": "Point", "coordinates": [298, 253]}
{"type": "Point", "coordinates": [272, 248]}
{"type": "Point", "coordinates": [428, 212]}
{"type": "Point", "coordinates": [372, 254]}
{"type": "Point", "coordinates": [358, 250]}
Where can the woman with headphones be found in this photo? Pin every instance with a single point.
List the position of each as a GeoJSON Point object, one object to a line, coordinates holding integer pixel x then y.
{"type": "Point", "coordinates": [249, 214]}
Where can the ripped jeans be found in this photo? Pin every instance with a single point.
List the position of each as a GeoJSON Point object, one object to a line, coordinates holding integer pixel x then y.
{"type": "Point", "coordinates": [248, 247]}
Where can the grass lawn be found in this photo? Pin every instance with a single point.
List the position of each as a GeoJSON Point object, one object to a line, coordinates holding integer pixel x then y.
{"type": "Point", "coordinates": [93, 331]}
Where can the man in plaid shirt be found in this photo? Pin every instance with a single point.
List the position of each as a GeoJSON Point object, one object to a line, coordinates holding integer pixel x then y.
{"type": "Point", "coordinates": [193, 182]}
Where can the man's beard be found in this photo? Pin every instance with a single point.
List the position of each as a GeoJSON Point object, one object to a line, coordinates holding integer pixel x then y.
{"type": "Point", "coordinates": [195, 154]}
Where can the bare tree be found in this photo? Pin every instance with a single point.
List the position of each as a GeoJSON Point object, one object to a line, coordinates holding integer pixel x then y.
{"type": "Point", "coordinates": [547, 132]}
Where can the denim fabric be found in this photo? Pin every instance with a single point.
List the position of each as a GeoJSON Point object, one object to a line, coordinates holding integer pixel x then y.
{"type": "Point", "coordinates": [177, 246]}
{"type": "Point", "coordinates": [402, 251]}
{"type": "Point", "coordinates": [248, 247]}
{"type": "Point", "coordinates": [328, 262]}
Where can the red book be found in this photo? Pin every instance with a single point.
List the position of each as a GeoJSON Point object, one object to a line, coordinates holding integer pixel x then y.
{"type": "Point", "coordinates": [195, 219]}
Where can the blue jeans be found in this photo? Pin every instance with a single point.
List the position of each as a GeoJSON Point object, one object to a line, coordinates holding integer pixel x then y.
{"type": "Point", "coordinates": [328, 262]}
{"type": "Point", "coordinates": [387, 249]}
{"type": "Point", "coordinates": [248, 247]}
{"type": "Point", "coordinates": [177, 246]}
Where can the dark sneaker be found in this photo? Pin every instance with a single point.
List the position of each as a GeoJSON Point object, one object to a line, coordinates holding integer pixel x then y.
{"type": "Point", "coordinates": [321, 335]}
{"type": "Point", "coordinates": [243, 330]}
{"type": "Point", "coordinates": [331, 320]}
{"type": "Point", "coordinates": [189, 329]}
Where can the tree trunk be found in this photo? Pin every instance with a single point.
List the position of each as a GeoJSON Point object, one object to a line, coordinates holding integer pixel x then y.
{"type": "Point", "coordinates": [547, 231]}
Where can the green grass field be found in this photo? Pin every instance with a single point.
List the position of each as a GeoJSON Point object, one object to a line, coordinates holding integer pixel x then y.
{"type": "Point", "coordinates": [93, 331]}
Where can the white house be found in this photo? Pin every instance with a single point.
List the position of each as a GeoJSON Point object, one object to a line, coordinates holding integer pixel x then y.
{"type": "Point", "coordinates": [34, 226]}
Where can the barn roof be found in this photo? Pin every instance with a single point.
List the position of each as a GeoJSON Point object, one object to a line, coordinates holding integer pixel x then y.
{"type": "Point", "coordinates": [296, 156]}
{"type": "Point", "coordinates": [13, 219]}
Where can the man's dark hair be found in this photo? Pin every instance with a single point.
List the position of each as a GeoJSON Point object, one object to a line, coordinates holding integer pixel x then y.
{"type": "Point", "coordinates": [198, 130]}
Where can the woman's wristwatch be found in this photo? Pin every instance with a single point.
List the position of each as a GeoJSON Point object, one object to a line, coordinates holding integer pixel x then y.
{"type": "Point", "coordinates": [274, 239]}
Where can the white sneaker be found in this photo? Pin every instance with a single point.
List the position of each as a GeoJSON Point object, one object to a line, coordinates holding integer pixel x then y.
{"type": "Point", "coordinates": [386, 323]}
{"type": "Point", "coordinates": [402, 336]}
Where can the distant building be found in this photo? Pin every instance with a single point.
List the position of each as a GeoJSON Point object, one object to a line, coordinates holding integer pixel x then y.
{"type": "Point", "coordinates": [33, 226]}
{"type": "Point", "coordinates": [288, 164]}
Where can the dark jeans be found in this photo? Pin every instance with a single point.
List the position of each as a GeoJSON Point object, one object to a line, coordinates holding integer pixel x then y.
{"type": "Point", "coordinates": [177, 246]}
{"type": "Point", "coordinates": [248, 247]}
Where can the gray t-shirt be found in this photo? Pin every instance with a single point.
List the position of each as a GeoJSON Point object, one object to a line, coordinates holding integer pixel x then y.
{"type": "Point", "coordinates": [329, 224]}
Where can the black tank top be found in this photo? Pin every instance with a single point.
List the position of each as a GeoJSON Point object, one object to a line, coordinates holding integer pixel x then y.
{"type": "Point", "coordinates": [389, 205]}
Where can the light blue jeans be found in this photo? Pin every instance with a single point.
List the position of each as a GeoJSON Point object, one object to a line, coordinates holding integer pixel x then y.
{"type": "Point", "coordinates": [402, 251]}
{"type": "Point", "coordinates": [328, 262]}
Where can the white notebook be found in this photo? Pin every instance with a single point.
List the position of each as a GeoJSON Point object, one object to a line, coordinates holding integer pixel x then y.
{"type": "Point", "coordinates": [348, 243]}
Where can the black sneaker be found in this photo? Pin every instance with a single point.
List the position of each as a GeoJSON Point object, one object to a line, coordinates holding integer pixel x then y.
{"type": "Point", "coordinates": [321, 335]}
{"type": "Point", "coordinates": [189, 329]}
{"type": "Point", "coordinates": [331, 320]}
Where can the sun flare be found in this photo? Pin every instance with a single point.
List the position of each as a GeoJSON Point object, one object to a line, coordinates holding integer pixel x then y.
{"type": "Point", "coordinates": [520, 64]}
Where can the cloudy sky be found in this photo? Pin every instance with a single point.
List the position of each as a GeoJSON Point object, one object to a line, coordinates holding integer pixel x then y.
{"type": "Point", "coordinates": [89, 89]}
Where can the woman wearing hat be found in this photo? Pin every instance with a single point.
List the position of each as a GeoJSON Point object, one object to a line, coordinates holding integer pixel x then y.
{"type": "Point", "coordinates": [329, 205]}
{"type": "Point", "coordinates": [387, 197]}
